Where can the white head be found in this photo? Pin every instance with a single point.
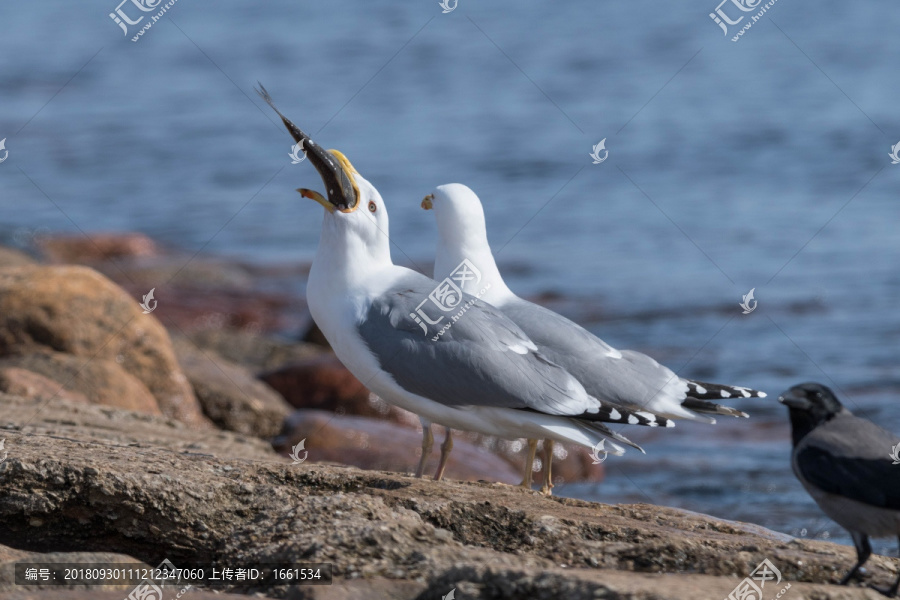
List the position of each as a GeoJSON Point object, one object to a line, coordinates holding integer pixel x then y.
{"type": "Point", "coordinates": [356, 219]}
{"type": "Point", "coordinates": [462, 235]}
{"type": "Point", "coordinates": [459, 216]}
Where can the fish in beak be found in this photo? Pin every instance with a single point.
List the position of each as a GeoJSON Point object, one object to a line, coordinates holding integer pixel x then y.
{"type": "Point", "coordinates": [333, 167]}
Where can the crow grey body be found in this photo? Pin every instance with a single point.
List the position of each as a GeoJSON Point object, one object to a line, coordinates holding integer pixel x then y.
{"type": "Point", "coordinates": [845, 464]}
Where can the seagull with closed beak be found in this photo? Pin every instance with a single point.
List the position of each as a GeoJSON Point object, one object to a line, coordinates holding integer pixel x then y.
{"type": "Point", "coordinates": [480, 374]}
{"type": "Point", "coordinates": [624, 379]}
{"type": "Point", "coordinates": [846, 465]}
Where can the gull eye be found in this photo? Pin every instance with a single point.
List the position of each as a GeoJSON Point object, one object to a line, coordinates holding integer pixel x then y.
{"type": "Point", "coordinates": [372, 207]}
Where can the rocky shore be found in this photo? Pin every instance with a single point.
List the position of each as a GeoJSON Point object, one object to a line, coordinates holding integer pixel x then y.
{"type": "Point", "coordinates": [135, 436]}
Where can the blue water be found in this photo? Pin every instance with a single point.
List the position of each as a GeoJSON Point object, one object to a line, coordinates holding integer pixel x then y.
{"type": "Point", "coordinates": [758, 164]}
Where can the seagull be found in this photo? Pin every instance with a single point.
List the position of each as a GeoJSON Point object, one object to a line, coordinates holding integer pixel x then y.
{"type": "Point", "coordinates": [845, 464]}
{"type": "Point", "coordinates": [625, 379]}
{"type": "Point", "coordinates": [481, 373]}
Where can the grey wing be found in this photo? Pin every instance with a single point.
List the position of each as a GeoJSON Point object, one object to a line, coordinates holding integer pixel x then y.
{"type": "Point", "coordinates": [626, 378]}
{"type": "Point", "coordinates": [483, 359]}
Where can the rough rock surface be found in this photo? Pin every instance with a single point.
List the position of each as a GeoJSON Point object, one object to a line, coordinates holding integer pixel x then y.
{"type": "Point", "coordinates": [73, 483]}
{"type": "Point", "coordinates": [77, 311]}
{"type": "Point", "coordinates": [230, 395]}
{"type": "Point", "coordinates": [382, 445]}
{"type": "Point", "coordinates": [105, 426]}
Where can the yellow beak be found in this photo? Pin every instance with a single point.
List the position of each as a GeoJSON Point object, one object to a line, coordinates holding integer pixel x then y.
{"type": "Point", "coordinates": [313, 195]}
{"type": "Point", "coordinates": [427, 202]}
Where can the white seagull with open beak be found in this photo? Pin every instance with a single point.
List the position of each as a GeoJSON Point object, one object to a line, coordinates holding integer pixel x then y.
{"type": "Point", "coordinates": [482, 374]}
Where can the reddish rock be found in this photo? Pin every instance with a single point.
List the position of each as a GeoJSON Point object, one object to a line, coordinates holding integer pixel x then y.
{"type": "Point", "coordinates": [384, 446]}
{"type": "Point", "coordinates": [27, 384]}
{"type": "Point", "coordinates": [322, 382]}
{"type": "Point", "coordinates": [77, 311]}
{"type": "Point", "coordinates": [80, 248]}
{"type": "Point", "coordinates": [99, 381]}
{"type": "Point", "coordinates": [195, 294]}
{"type": "Point", "coordinates": [191, 308]}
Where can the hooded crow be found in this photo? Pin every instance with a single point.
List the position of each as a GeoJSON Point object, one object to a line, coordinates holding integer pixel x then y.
{"type": "Point", "coordinates": [845, 464]}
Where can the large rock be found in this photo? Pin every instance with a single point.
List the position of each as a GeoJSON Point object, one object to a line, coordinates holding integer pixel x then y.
{"type": "Point", "coordinates": [99, 381]}
{"type": "Point", "coordinates": [28, 384]}
{"type": "Point", "coordinates": [10, 257]}
{"type": "Point", "coordinates": [230, 395]}
{"type": "Point", "coordinates": [77, 311]}
{"type": "Point", "coordinates": [382, 445]}
{"type": "Point", "coordinates": [63, 487]}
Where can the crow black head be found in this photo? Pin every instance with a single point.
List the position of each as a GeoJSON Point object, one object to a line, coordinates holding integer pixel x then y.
{"type": "Point", "coordinates": [809, 405]}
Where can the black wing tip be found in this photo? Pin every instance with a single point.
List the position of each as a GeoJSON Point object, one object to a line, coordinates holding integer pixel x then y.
{"type": "Point", "coordinates": [606, 414]}
{"type": "Point", "coordinates": [701, 390]}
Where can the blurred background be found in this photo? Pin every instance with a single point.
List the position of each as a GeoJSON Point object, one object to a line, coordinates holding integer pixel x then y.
{"type": "Point", "coordinates": [757, 164]}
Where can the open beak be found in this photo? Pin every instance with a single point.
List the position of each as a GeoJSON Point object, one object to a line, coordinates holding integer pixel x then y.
{"type": "Point", "coordinates": [792, 401]}
{"type": "Point", "coordinates": [314, 195]}
{"type": "Point", "coordinates": [428, 202]}
{"type": "Point", "coordinates": [341, 192]}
